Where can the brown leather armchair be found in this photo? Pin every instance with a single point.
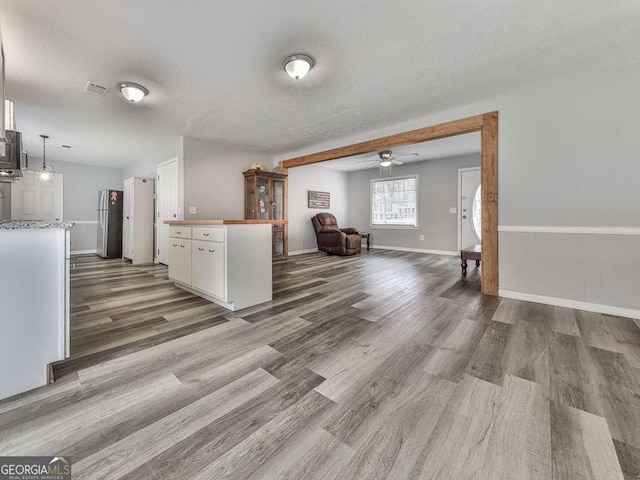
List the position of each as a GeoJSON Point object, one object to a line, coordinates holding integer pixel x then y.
{"type": "Point", "coordinates": [335, 240]}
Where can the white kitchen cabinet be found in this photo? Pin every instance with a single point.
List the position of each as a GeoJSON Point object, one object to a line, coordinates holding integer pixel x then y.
{"type": "Point", "coordinates": [34, 291]}
{"type": "Point", "coordinates": [180, 260]}
{"type": "Point", "coordinates": [137, 220]}
{"type": "Point", "coordinates": [208, 268]}
{"type": "Point", "coordinates": [228, 264]}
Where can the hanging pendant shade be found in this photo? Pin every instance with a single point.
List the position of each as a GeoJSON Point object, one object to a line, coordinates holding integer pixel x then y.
{"type": "Point", "coordinates": [46, 172]}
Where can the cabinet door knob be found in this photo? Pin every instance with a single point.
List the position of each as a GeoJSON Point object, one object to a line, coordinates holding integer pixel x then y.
{"type": "Point", "coordinates": [205, 234]}
{"type": "Point", "coordinates": [201, 249]}
{"type": "Point", "coordinates": [181, 246]}
{"type": "Point", "coordinates": [179, 233]}
{"type": "Point", "coordinates": [211, 251]}
{"type": "Point", "coordinates": [175, 244]}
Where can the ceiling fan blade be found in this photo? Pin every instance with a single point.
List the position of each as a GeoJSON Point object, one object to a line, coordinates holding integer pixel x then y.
{"type": "Point", "coordinates": [396, 162]}
{"type": "Point", "coordinates": [375, 164]}
{"type": "Point", "coordinates": [364, 161]}
{"type": "Point", "coordinates": [406, 155]}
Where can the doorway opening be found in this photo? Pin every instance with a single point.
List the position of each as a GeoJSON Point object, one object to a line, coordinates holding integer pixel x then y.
{"type": "Point", "coordinates": [487, 125]}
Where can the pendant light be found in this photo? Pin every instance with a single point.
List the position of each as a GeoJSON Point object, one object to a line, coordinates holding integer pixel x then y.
{"type": "Point", "coordinates": [46, 172]}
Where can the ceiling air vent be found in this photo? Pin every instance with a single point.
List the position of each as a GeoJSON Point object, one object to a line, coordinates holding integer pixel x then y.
{"type": "Point", "coordinates": [91, 87]}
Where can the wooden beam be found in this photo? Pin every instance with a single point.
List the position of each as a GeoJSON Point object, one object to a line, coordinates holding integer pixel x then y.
{"type": "Point", "coordinates": [489, 181]}
{"type": "Point", "coordinates": [457, 127]}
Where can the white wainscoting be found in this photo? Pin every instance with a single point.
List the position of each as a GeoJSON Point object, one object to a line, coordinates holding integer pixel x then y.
{"type": "Point", "coordinates": [592, 268]}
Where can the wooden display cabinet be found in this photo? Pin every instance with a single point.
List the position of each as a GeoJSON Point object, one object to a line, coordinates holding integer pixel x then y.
{"type": "Point", "coordinates": [265, 198]}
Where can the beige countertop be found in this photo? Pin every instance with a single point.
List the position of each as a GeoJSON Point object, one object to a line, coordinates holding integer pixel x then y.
{"type": "Point", "coordinates": [225, 222]}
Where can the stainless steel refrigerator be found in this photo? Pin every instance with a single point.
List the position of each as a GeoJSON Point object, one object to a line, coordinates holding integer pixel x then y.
{"type": "Point", "coordinates": [109, 224]}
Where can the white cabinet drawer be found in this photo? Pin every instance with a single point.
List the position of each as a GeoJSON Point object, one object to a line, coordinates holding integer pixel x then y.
{"type": "Point", "coordinates": [178, 231]}
{"type": "Point", "coordinates": [180, 260]}
{"type": "Point", "coordinates": [211, 234]}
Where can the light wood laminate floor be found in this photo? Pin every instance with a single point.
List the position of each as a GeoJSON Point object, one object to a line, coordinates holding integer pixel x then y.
{"type": "Point", "coordinates": [381, 365]}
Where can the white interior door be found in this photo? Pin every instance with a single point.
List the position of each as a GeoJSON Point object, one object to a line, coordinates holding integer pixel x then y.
{"type": "Point", "coordinates": [127, 221]}
{"type": "Point", "coordinates": [167, 205]}
{"type": "Point", "coordinates": [32, 200]}
{"type": "Point", "coordinates": [469, 211]}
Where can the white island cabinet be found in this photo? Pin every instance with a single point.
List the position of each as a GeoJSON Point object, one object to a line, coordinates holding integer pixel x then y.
{"type": "Point", "coordinates": [225, 261]}
{"type": "Point", "coordinates": [34, 293]}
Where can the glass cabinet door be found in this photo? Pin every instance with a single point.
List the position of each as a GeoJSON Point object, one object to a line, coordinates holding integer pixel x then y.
{"type": "Point", "coordinates": [263, 199]}
{"type": "Point", "coordinates": [250, 200]}
{"type": "Point", "coordinates": [278, 200]}
{"type": "Point", "coordinates": [277, 241]}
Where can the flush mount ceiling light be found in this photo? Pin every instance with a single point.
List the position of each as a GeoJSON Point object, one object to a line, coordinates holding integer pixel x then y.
{"type": "Point", "coordinates": [298, 65]}
{"type": "Point", "coordinates": [46, 172]}
{"type": "Point", "coordinates": [133, 92]}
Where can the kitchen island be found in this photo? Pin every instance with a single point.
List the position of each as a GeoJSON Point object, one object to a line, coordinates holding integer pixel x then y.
{"type": "Point", "coordinates": [34, 293]}
{"type": "Point", "coordinates": [228, 262]}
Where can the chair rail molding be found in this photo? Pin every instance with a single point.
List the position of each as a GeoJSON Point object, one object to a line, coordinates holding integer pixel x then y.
{"type": "Point", "coordinates": [570, 229]}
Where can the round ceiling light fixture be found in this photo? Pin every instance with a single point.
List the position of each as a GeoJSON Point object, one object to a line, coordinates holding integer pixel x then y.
{"type": "Point", "coordinates": [298, 65]}
{"type": "Point", "coordinates": [133, 92]}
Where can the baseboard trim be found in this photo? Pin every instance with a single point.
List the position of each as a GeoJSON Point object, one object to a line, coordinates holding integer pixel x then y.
{"type": "Point", "coordinates": [577, 304]}
{"type": "Point", "coordinates": [82, 252]}
{"type": "Point", "coordinates": [416, 250]}
{"type": "Point", "coordinates": [302, 252]}
{"type": "Point", "coordinates": [571, 230]}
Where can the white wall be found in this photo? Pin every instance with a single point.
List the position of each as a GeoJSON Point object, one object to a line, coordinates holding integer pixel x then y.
{"type": "Point", "coordinates": [310, 177]}
{"type": "Point", "coordinates": [437, 193]}
{"type": "Point", "coordinates": [80, 202]}
{"type": "Point", "coordinates": [164, 150]}
{"type": "Point", "coordinates": [213, 180]}
{"type": "Point", "coordinates": [568, 156]}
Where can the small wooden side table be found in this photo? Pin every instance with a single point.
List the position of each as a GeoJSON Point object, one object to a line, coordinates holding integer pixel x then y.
{"type": "Point", "coordinates": [368, 237]}
{"type": "Point", "coordinates": [472, 253]}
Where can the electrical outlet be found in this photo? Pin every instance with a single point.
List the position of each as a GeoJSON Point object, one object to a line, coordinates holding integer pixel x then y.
{"type": "Point", "coordinates": [453, 210]}
{"type": "Point", "coordinates": [421, 237]}
{"type": "Point", "coordinates": [193, 210]}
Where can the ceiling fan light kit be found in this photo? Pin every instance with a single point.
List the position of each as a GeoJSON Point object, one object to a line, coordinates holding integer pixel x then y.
{"type": "Point", "coordinates": [298, 65]}
{"type": "Point", "coordinates": [386, 159]}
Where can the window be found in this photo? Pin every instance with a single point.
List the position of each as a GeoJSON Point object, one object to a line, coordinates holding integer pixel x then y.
{"type": "Point", "coordinates": [394, 201]}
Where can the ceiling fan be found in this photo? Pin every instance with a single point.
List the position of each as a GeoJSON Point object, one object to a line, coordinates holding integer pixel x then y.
{"type": "Point", "coordinates": [386, 159]}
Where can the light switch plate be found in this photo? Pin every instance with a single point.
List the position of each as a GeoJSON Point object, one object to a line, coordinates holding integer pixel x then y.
{"type": "Point", "coordinates": [421, 237]}
{"type": "Point", "coordinates": [193, 210]}
{"type": "Point", "coordinates": [453, 210]}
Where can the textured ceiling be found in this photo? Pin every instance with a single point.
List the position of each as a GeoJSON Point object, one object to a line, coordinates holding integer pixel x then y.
{"type": "Point", "coordinates": [213, 67]}
{"type": "Point", "coordinates": [440, 148]}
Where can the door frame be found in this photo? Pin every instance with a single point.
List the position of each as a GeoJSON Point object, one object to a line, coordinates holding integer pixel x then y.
{"type": "Point", "coordinates": [487, 125]}
{"type": "Point", "coordinates": [156, 225]}
{"type": "Point", "coordinates": [460, 171]}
